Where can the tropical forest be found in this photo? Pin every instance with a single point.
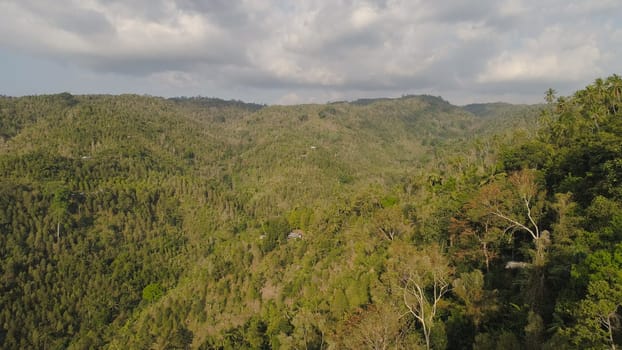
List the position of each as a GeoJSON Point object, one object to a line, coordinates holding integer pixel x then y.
{"type": "Point", "coordinates": [142, 222]}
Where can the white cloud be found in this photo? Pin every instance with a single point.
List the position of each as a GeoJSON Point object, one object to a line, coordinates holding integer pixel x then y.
{"type": "Point", "coordinates": [290, 99]}
{"type": "Point", "coordinates": [557, 55]}
{"type": "Point", "coordinates": [363, 16]}
{"type": "Point", "coordinates": [325, 48]}
{"type": "Point", "coordinates": [512, 8]}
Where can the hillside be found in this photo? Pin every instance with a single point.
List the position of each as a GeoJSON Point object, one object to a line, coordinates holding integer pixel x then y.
{"type": "Point", "coordinates": [142, 222]}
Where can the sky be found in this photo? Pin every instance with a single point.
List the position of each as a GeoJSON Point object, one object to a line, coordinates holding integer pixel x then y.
{"type": "Point", "coordinates": [309, 51]}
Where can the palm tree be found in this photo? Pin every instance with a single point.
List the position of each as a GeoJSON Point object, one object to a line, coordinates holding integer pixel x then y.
{"type": "Point", "coordinates": [615, 86]}
{"type": "Point", "coordinates": [549, 95]}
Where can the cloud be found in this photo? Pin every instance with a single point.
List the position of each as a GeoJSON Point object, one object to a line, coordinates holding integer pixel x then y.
{"type": "Point", "coordinates": [555, 55]}
{"type": "Point", "coordinates": [124, 39]}
{"type": "Point", "coordinates": [290, 99]}
{"type": "Point", "coordinates": [318, 48]}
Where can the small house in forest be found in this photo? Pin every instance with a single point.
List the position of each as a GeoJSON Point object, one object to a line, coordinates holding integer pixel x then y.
{"type": "Point", "coordinates": [295, 234]}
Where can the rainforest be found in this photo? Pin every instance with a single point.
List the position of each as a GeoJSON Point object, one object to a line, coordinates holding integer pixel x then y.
{"type": "Point", "coordinates": [141, 222]}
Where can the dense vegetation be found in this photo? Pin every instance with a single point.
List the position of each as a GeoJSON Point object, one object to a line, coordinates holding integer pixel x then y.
{"type": "Point", "coordinates": [140, 222]}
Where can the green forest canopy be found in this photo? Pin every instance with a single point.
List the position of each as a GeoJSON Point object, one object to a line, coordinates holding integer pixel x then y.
{"type": "Point", "coordinates": [141, 222]}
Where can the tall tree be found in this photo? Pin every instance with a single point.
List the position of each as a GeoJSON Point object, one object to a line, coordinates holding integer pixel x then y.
{"type": "Point", "coordinates": [517, 204]}
{"type": "Point", "coordinates": [424, 279]}
{"type": "Point", "coordinates": [59, 206]}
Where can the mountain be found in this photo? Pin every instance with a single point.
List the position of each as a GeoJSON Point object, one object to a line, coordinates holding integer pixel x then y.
{"type": "Point", "coordinates": [142, 222]}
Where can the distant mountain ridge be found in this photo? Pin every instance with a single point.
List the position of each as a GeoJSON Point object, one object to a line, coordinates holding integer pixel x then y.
{"type": "Point", "coordinates": [136, 221]}
{"type": "Point", "coordinates": [139, 222]}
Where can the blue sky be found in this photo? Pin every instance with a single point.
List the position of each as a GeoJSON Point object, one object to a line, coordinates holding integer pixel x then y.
{"type": "Point", "coordinates": [272, 51]}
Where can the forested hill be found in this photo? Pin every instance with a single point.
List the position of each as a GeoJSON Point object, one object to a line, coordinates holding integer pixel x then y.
{"type": "Point", "coordinates": [141, 222]}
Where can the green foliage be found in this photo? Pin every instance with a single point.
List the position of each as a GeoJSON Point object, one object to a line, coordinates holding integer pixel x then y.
{"type": "Point", "coordinates": [300, 218]}
{"type": "Point", "coordinates": [152, 292]}
{"type": "Point", "coordinates": [108, 201]}
{"type": "Point", "coordinates": [389, 201]}
{"type": "Point", "coordinates": [275, 232]}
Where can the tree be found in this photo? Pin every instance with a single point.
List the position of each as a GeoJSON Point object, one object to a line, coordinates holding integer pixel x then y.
{"type": "Point", "coordinates": [389, 223]}
{"type": "Point", "coordinates": [180, 338]}
{"type": "Point", "coordinates": [598, 315]}
{"type": "Point", "coordinates": [475, 237]}
{"type": "Point", "coordinates": [602, 306]}
{"type": "Point", "coordinates": [469, 287]}
{"type": "Point", "coordinates": [59, 206]}
{"type": "Point", "coordinates": [424, 278]}
{"type": "Point", "coordinates": [152, 292]}
{"type": "Point", "coordinates": [275, 231]}
{"type": "Point", "coordinates": [549, 95]}
{"type": "Point", "coordinates": [308, 332]}
{"type": "Point", "coordinates": [517, 204]}
{"type": "Point", "coordinates": [376, 327]}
